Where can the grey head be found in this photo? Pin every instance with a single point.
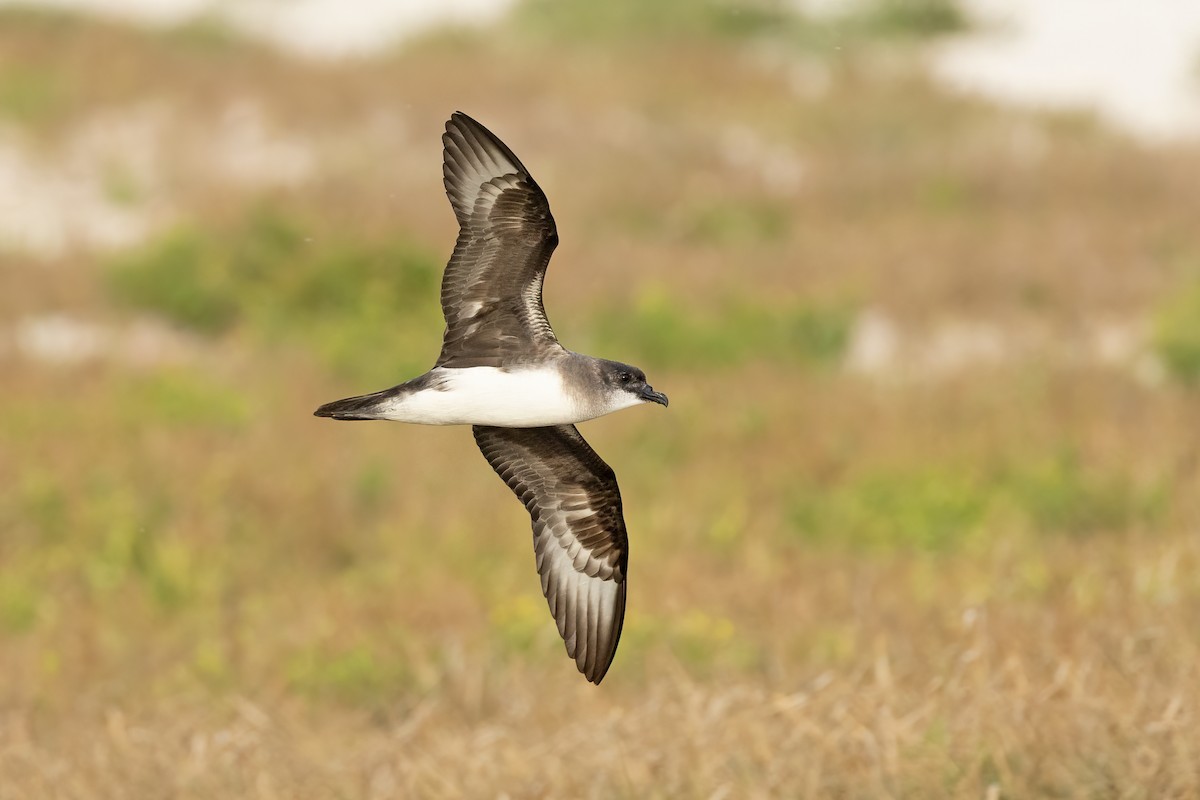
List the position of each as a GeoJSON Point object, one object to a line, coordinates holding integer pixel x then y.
{"type": "Point", "coordinates": [629, 380]}
{"type": "Point", "coordinates": [609, 385]}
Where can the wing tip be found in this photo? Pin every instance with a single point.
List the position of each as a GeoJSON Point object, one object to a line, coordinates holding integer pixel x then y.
{"type": "Point", "coordinates": [469, 130]}
{"type": "Point", "coordinates": [596, 672]}
{"type": "Point", "coordinates": [471, 156]}
{"type": "Point", "coordinates": [462, 122]}
{"type": "Point", "coordinates": [608, 654]}
{"type": "Point", "coordinates": [458, 124]}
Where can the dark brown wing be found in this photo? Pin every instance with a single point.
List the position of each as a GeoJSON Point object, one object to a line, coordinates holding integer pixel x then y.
{"type": "Point", "coordinates": [579, 534]}
{"type": "Point", "coordinates": [492, 289]}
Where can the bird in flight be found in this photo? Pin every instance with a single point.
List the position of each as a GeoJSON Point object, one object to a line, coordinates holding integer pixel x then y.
{"type": "Point", "coordinates": [503, 372]}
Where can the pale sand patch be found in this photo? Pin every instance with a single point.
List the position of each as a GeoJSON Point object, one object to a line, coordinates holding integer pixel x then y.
{"type": "Point", "coordinates": [1135, 62]}
{"type": "Point", "coordinates": [315, 28]}
{"type": "Point", "coordinates": [105, 187]}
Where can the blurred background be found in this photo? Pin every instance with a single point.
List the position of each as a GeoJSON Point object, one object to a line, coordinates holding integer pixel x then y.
{"type": "Point", "coordinates": [921, 277]}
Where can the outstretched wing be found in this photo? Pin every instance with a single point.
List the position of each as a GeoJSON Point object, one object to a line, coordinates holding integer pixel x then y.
{"type": "Point", "coordinates": [492, 289]}
{"type": "Point", "coordinates": [579, 535]}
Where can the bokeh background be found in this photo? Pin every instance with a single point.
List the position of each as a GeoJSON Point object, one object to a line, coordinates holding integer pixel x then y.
{"type": "Point", "coordinates": [921, 278]}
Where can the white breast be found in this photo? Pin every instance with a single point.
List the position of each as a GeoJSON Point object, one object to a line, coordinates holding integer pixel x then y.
{"type": "Point", "coordinates": [490, 396]}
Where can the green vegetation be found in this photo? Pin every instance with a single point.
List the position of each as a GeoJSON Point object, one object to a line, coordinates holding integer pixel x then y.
{"type": "Point", "coordinates": [891, 19]}
{"type": "Point", "coordinates": [622, 20]}
{"type": "Point", "coordinates": [1061, 495]}
{"type": "Point", "coordinates": [358, 674]}
{"type": "Point", "coordinates": [726, 223]}
{"type": "Point", "coordinates": [19, 604]}
{"type": "Point", "coordinates": [31, 94]}
{"type": "Point", "coordinates": [369, 306]}
{"type": "Point", "coordinates": [131, 551]}
{"type": "Point", "coordinates": [939, 508]}
{"type": "Point", "coordinates": [658, 332]}
{"type": "Point", "coordinates": [206, 34]}
{"type": "Point", "coordinates": [1177, 333]}
{"type": "Point", "coordinates": [339, 297]}
{"type": "Point", "coordinates": [178, 399]}
{"type": "Point", "coordinates": [109, 537]}
{"type": "Point", "coordinates": [121, 187]}
{"type": "Point", "coordinates": [41, 18]}
{"type": "Point", "coordinates": [924, 508]}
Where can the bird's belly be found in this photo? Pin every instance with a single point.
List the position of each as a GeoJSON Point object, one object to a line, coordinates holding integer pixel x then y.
{"type": "Point", "coordinates": [491, 396]}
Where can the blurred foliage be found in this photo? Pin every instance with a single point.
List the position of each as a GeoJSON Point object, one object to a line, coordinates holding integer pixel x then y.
{"type": "Point", "coordinates": [179, 399]}
{"type": "Point", "coordinates": [905, 18]}
{"type": "Point", "coordinates": [103, 530]}
{"type": "Point", "coordinates": [704, 642]}
{"type": "Point", "coordinates": [121, 186]}
{"type": "Point", "coordinates": [368, 306]}
{"type": "Point", "coordinates": [921, 507]}
{"type": "Point", "coordinates": [930, 507]}
{"type": "Point", "coordinates": [1059, 494]}
{"type": "Point", "coordinates": [518, 625]}
{"type": "Point", "coordinates": [358, 674]}
{"type": "Point", "coordinates": [371, 308]}
{"type": "Point", "coordinates": [580, 20]}
{"type": "Point", "coordinates": [659, 332]}
{"type": "Point", "coordinates": [31, 94]}
{"type": "Point", "coordinates": [1177, 333]}
{"type": "Point", "coordinates": [42, 18]}
{"type": "Point", "coordinates": [732, 223]}
{"type": "Point", "coordinates": [208, 34]}
{"type": "Point", "coordinates": [137, 553]}
{"type": "Point", "coordinates": [699, 639]}
{"type": "Point", "coordinates": [625, 21]}
{"type": "Point", "coordinates": [19, 604]}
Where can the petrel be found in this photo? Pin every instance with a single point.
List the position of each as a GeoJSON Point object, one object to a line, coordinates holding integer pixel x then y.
{"type": "Point", "coordinates": [503, 372]}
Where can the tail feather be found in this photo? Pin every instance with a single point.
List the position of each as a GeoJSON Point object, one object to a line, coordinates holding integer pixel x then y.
{"type": "Point", "coordinates": [365, 406]}
{"type": "Point", "coordinates": [376, 405]}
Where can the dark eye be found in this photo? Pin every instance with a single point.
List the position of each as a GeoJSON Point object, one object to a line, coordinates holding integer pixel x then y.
{"type": "Point", "coordinates": [625, 377]}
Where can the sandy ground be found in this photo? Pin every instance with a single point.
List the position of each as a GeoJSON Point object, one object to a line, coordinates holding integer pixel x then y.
{"type": "Point", "coordinates": [318, 28]}
{"type": "Point", "coordinates": [1135, 62]}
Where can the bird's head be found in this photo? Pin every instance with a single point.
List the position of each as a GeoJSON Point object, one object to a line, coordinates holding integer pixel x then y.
{"type": "Point", "coordinates": [627, 385]}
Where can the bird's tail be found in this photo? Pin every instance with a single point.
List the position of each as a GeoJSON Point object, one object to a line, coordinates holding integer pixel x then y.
{"type": "Point", "coordinates": [384, 404]}
{"type": "Point", "coordinates": [365, 406]}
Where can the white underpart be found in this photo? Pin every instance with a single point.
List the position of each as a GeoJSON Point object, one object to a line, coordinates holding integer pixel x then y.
{"type": "Point", "coordinates": [527, 398]}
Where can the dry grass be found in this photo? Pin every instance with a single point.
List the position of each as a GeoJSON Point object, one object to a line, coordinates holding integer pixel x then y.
{"type": "Point", "coordinates": [206, 593]}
